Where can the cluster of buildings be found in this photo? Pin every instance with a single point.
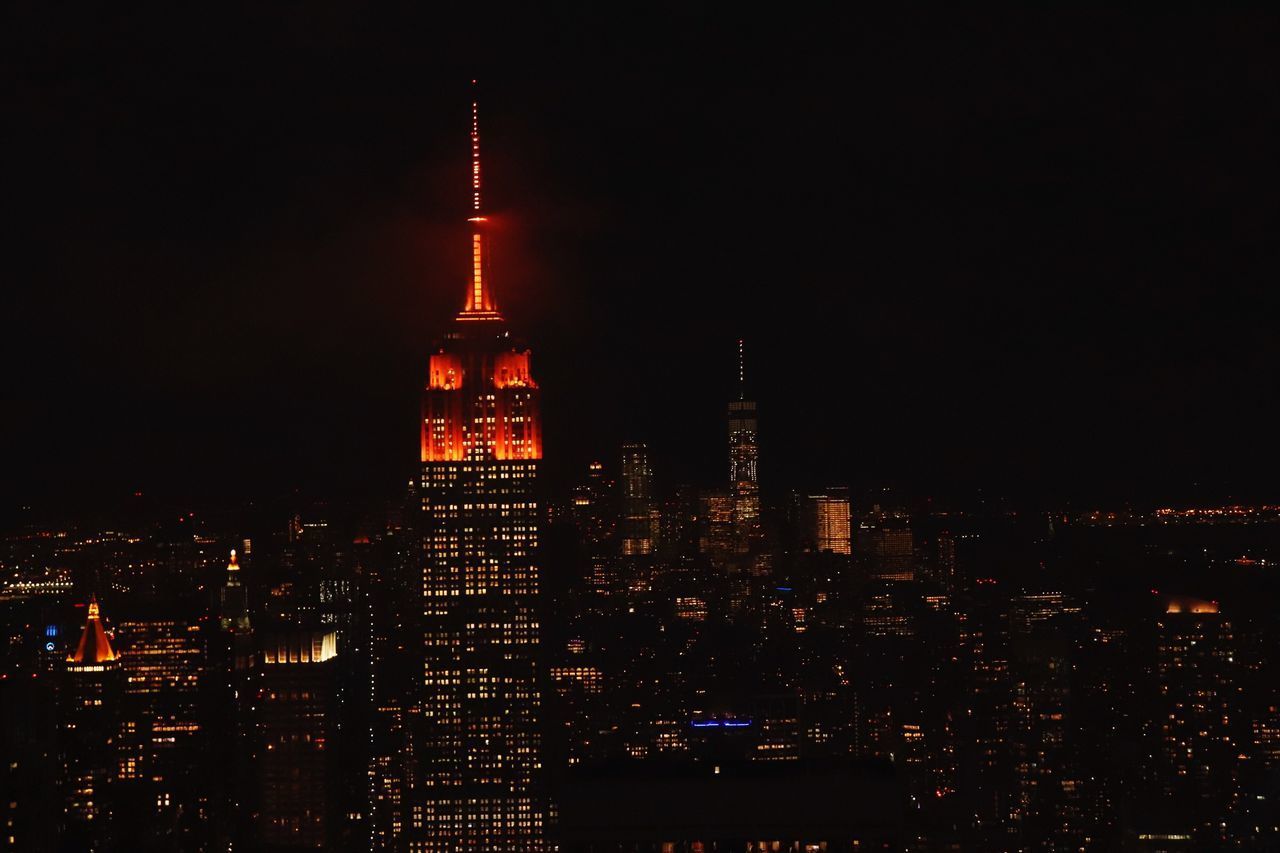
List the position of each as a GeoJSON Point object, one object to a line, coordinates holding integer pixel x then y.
{"type": "Point", "coordinates": [638, 666]}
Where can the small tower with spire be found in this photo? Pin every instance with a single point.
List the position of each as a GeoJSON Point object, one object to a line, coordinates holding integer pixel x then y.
{"type": "Point", "coordinates": [90, 722]}
{"type": "Point", "coordinates": [94, 646]}
{"type": "Point", "coordinates": [234, 613]}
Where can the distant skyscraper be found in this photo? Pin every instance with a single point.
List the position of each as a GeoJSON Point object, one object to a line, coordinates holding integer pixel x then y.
{"type": "Point", "coordinates": [887, 546]}
{"type": "Point", "coordinates": [479, 750]}
{"type": "Point", "coordinates": [1196, 673]}
{"type": "Point", "coordinates": [296, 725]}
{"type": "Point", "coordinates": [230, 676]}
{"type": "Point", "coordinates": [827, 522]}
{"type": "Point", "coordinates": [945, 562]}
{"type": "Point", "coordinates": [594, 512]}
{"type": "Point", "coordinates": [637, 501]}
{"type": "Point", "coordinates": [390, 565]}
{"type": "Point", "coordinates": [744, 451]}
{"type": "Point", "coordinates": [90, 732]}
{"type": "Point", "coordinates": [590, 508]}
{"type": "Point", "coordinates": [718, 537]}
{"type": "Point", "coordinates": [233, 612]}
{"type": "Point", "coordinates": [161, 750]}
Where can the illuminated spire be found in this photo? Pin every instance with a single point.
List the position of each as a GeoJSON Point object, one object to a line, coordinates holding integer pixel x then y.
{"type": "Point", "coordinates": [234, 615]}
{"type": "Point", "coordinates": [233, 570]}
{"type": "Point", "coordinates": [742, 370]}
{"type": "Point", "coordinates": [480, 303]}
{"type": "Point", "coordinates": [475, 152]}
{"type": "Point", "coordinates": [94, 646]}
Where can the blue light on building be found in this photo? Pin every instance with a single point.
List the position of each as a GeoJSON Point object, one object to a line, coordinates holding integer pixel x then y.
{"type": "Point", "coordinates": [719, 724]}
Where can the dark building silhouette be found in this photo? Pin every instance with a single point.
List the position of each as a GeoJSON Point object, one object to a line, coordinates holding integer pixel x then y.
{"type": "Point", "coordinates": [296, 688]}
{"type": "Point", "coordinates": [161, 771]}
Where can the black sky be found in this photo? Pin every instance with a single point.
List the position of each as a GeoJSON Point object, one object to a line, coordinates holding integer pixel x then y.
{"type": "Point", "coordinates": [1014, 251]}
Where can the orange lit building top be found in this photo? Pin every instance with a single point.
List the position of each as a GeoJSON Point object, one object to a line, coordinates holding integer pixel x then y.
{"type": "Point", "coordinates": [480, 400]}
{"type": "Point", "coordinates": [94, 646]}
{"type": "Point", "coordinates": [1191, 605]}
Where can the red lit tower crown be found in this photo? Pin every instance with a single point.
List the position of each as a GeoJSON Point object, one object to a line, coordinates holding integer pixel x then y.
{"type": "Point", "coordinates": [480, 401]}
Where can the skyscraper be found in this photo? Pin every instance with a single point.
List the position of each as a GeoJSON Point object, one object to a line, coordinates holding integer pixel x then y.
{"type": "Point", "coordinates": [161, 748]}
{"type": "Point", "coordinates": [886, 546]}
{"type": "Point", "coordinates": [231, 690]}
{"type": "Point", "coordinates": [390, 563]}
{"type": "Point", "coordinates": [90, 730]}
{"type": "Point", "coordinates": [478, 748]}
{"type": "Point", "coordinates": [296, 725]}
{"type": "Point", "coordinates": [827, 522]}
{"type": "Point", "coordinates": [1196, 665]}
{"type": "Point", "coordinates": [744, 451]}
{"type": "Point", "coordinates": [637, 501]}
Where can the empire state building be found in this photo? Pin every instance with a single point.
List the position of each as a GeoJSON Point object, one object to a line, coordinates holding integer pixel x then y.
{"type": "Point", "coordinates": [478, 752]}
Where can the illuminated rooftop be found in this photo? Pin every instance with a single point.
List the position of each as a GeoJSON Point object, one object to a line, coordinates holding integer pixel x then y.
{"type": "Point", "coordinates": [94, 645]}
{"type": "Point", "coordinates": [1191, 605]}
{"type": "Point", "coordinates": [300, 647]}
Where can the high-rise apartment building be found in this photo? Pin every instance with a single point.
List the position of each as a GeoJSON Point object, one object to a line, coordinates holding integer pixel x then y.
{"type": "Point", "coordinates": [478, 749]}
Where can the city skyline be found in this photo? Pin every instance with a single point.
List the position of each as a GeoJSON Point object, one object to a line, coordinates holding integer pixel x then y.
{"type": "Point", "coordinates": [833, 432]}
{"type": "Point", "coordinates": [1025, 270]}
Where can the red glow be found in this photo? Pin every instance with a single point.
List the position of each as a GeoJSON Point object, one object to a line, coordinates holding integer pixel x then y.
{"type": "Point", "coordinates": [481, 404]}
{"type": "Point", "coordinates": [1191, 605]}
{"type": "Point", "coordinates": [480, 304]}
{"type": "Point", "coordinates": [445, 372]}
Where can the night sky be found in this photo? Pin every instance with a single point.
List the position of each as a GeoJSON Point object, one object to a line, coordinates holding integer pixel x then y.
{"type": "Point", "coordinates": [1020, 253]}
